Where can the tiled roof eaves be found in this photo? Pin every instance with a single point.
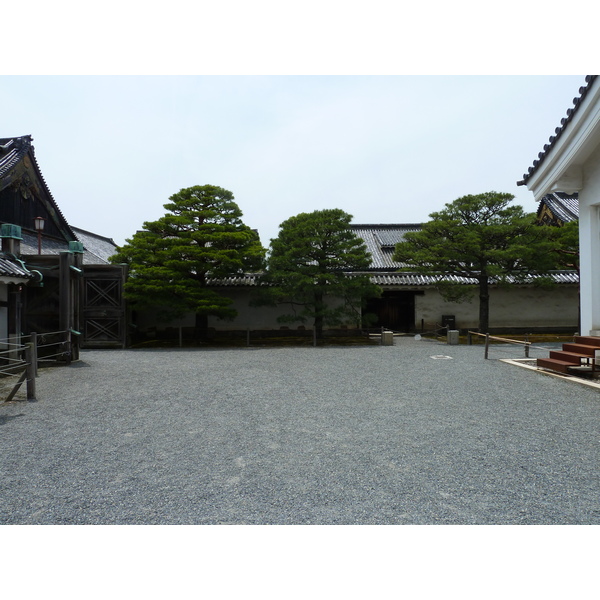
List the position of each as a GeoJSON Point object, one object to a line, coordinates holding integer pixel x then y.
{"type": "Point", "coordinates": [19, 147]}
{"type": "Point", "coordinates": [563, 206]}
{"type": "Point", "coordinates": [14, 153]}
{"type": "Point", "coordinates": [56, 207]}
{"type": "Point", "coordinates": [414, 279]}
{"type": "Point", "coordinates": [583, 90]}
{"type": "Point", "coordinates": [8, 268]}
{"type": "Point", "coordinates": [406, 279]}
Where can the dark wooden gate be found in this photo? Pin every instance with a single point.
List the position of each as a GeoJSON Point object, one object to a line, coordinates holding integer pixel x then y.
{"type": "Point", "coordinates": [395, 310]}
{"type": "Point", "coordinates": [104, 311]}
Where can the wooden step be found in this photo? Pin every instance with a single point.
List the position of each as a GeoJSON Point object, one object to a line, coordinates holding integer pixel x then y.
{"type": "Point", "coordinates": [582, 349]}
{"type": "Point", "coordinates": [570, 357]}
{"type": "Point", "coordinates": [554, 364]}
{"type": "Point", "coordinates": [587, 340]}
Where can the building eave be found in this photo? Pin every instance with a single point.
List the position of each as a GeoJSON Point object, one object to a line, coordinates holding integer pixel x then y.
{"type": "Point", "coordinates": [560, 166]}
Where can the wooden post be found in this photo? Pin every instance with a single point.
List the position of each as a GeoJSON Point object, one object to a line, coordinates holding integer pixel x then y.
{"type": "Point", "coordinates": [487, 344]}
{"type": "Point", "coordinates": [34, 343]}
{"type": "Point", "coordinates": [68, 347]}
{"type": "Point", "coordinates": [31, 360]}
{"type": "Point", "coordinates": [65, 312]}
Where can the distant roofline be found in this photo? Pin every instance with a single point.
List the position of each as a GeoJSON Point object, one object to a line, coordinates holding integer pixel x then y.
{"type": "Point", "coordinates": [385, 225]}
{"type": "Point", "coordinates": [97, 235]}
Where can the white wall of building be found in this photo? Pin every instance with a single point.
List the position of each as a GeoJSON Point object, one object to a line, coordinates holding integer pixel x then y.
{"type": "Point", "coordinates": [516, 306]}
{"type": "Point", "coordinates": [589, 244]}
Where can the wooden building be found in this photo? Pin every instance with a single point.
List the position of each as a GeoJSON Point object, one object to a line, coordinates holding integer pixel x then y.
{"type": "Point", "coordinates": [66, 282]}
{"type": "Point", "coordinates": [558, 208]}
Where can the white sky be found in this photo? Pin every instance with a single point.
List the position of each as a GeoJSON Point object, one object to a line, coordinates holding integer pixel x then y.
{"type": "Point", "coordinates": [386, 149]}
{"type": "Point", "coordinates": [386, 114]}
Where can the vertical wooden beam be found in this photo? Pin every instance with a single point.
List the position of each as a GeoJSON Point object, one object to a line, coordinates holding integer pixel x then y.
{"type": "Point", "coordinates": [30, 360]}
{"type": "Point", "coordinates": [34, 343]}
{"type": "Point", "coordinates": [64, 293]}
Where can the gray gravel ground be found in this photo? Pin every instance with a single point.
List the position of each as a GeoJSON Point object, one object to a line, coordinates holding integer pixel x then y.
{"type": "Point", "coordinates": [360, 435]}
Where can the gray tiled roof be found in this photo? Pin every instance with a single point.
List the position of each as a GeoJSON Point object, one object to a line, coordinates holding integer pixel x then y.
{"type": "Point", "coordinates": [11, 268]}
{"type": "Point", "coordinates": [413, 279]}
{"type": "Point", "coordinates": [100, 247]}
{"type": "Point", "coordinates": [13, 150]}
{"type": "Point", "coordinates": [11, 153]}
{"type": "Point", "coordinates": [94, 250]}
{"type": "Point", "coordinates": [583, 90]}
{"type": "Point", "coordinates": [392, 278]}
{"type": "Point", "coordinates": [563, 206]}
{"type": "Point", "coordinates": [381, 240]}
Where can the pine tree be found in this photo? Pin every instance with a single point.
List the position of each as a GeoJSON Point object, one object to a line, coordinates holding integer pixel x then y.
{"type": "Point", "coordinates": [312, 268]}
{"type": "Point", "coordinates": [481, 237]}
{"type": "Point", "coordinates": [170, 260]}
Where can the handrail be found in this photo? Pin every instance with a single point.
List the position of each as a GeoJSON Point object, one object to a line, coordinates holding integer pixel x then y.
{"type": "Point", "coordinates": [489, 337]}
{"type": "Point", "coordinates": [25, 356]}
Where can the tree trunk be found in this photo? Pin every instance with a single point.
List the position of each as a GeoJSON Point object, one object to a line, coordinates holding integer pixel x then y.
{"type": "Point", "coordinates": [484, 305]}
{"type": "Point", "coordinates": [319, 314]}
{"type": "Point", "coordinates": [201, 328]}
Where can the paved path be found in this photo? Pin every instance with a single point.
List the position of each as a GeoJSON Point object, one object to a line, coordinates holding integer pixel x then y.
{"type": "Point", "coordinates": [373, 435]}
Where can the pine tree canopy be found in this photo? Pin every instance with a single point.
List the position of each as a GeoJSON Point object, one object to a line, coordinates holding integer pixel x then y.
{"type": "Point", "coordinates": [316, 257]}
{"type": "Point", "coordinates": [170, 260]}
{"type": "Point", "coordinates": [482, 237]}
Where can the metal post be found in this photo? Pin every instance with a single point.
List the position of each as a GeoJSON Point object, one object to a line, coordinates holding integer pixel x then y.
{"type": "Point", "coordinates": [315, 337]}
{"type": "Point", "coordinates": [248, 337]}
{"type": "Point", "coordinates": [487, 344]}
{"type": "Point", "coordinates": [526, 347]}
{"type": "Point", "coordinates": [31, 360]}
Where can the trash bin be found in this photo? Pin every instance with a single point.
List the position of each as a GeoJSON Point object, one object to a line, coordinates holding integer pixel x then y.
{"type": "Point", "coordinates": [453, 338]}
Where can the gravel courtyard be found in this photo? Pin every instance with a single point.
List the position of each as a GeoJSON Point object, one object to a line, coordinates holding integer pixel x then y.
{"type": "Point", "coordinates": [417, 433]}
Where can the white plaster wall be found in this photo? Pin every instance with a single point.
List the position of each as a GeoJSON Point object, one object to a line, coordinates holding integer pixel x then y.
{"type": "Point", "coordinates": [248, 317]}
{"type": "Point", "coordinates": [589, 244]}
{"type": "Point", "coordinates": [517, 306]}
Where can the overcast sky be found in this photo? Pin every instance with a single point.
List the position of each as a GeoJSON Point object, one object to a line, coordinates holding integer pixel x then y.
{"type": "Point", "coordinates": [386, 149]}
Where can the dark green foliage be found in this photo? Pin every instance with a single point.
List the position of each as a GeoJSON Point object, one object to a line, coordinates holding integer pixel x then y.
{"type": "Point", "coordinates": [201, 236]}
{"type": "Point", "coordinates": [567, 246]}
{"type": "Point", "coordinates": [481, 237]}
{"type": "Point", "coordinates": [312, 268]}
